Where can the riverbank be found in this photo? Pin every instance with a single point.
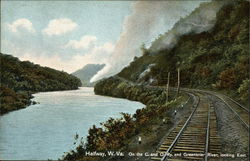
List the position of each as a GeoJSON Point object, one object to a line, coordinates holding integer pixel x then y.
{"type": "Point", "coordinates": [11, 100]}
{"type": "Point", "coordinates": [15, 100]}
{"type": "Point", "coordinates": [20, 79]}
{"type": "Point", "coordinates": [55, 121]}
{"type": "Point", "coordinates": [150, 123]}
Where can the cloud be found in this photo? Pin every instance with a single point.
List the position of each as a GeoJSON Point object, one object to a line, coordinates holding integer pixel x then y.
{"type": "Point", "coordinates": [22, 23]}
{"type": "Point", "coordinates": [83, 43]}
{"type": "Point", "coordinates": [201, 19]}
{"type": "Point", "coordinates": [147, 20]}
{"type": "Point", "coordinates": [59, 26]}
{"type": "Point", "coordinates": [96, 55]}
{"type": "Point", "coordinates": [106, 47]}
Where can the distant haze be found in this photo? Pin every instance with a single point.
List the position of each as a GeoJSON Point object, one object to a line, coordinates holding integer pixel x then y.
{"type": "Point", "coordinates": [87, 72]}
{"type": "Point", "coordinates": [147, 21]}
{"type": "Point", "coordinates": [201, 19]}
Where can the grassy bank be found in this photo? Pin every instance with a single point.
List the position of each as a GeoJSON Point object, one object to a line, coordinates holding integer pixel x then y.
{"type": "Point", "coordinates": [121, 134]}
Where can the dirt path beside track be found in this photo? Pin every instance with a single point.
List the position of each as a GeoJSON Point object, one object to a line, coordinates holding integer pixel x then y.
{"type": "Point", "coordinates": [234, 136]}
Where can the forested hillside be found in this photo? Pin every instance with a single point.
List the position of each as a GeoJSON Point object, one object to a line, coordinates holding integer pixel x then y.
{"type": "Point", "coordinates": [217, 59]}
{"type": "Point", "coordinates": [19, 79]}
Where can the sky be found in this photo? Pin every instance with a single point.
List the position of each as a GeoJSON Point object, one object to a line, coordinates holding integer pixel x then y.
{"type": "Point", "coordinates": [61, 34]}
{"type": "Point", "coordinates": [66, 35]}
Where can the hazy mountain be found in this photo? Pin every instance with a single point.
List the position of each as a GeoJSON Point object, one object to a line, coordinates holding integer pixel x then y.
{"type": "Point", "coordinates": [87, 72]}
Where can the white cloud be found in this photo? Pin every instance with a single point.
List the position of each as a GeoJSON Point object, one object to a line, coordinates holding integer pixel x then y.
{"type": "Point", "coordinates": [106, 47]}
{"type": "Point", "coordinates": [96, 55]}
{"type": "Point", "coordinates": [22, 23]}
{"type": "Point", "coordinates": [143, 25]}
{"type": "Point", "coordinates": [43, 59]}
{"type": "Point", "coordinates": [83, 43]}
{"type": "Point", "coordinates": [69, 62]}
{"type": "Point", "coordinates": [59, 26]}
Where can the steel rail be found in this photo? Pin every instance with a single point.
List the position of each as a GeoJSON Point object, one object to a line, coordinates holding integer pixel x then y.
{"type": "Point", "coordinates": [238, 116]}
{"type": "Point", "coordinates": [207, 134]}
{"type": "Point", "coordinates": [180, 132]}
{"type": "Point", "coordinates": [238, 103]}
{"type": "Point", "coordinates": [190, 95]}
{"type": "Point", "coordinates": [230, 107]}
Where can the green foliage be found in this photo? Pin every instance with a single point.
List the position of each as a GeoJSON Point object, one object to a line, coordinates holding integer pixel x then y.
{"type": "Point", "coordinates": [114, 133]}
{"type": "Point", "coordinates": [117, 87]}
{"type": "Point", "coordinates": [21, 78]}
{"type": "Point", "coordinates": [227, 79]}
{"type": "Point", "coordinates": [243, 90]}
{"type": "Point", "coordinates": [10, 100]}
{"type": "Point", "coordinates": [218, 58]}
{"type": "Point", "coordinates": [214, 59]}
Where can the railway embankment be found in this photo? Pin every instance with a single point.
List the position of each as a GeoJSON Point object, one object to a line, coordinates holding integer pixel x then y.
{"type": "Point", "coordinates": [149, 123]}
{"type": "Point", "coordinates": [217, 129]}
{"type": "Point", "coordinates": [202, 124]}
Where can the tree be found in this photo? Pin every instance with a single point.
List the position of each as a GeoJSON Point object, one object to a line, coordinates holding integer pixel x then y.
{"type": "Point", "coordinates": [227, 79]}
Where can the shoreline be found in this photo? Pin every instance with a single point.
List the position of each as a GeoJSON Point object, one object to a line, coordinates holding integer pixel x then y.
{"type": "Point", "coordinates": [151, 115]}
{"type": "Point", "coordinates": [76, 114]}
{"type": "Point", "coordinates": [27, 100]}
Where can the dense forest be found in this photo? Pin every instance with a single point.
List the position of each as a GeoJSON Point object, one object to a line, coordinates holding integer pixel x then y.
{"type": "Point", "coordinates": [217, 59]}
{"type": "Point", "coordinates": [19, 79]}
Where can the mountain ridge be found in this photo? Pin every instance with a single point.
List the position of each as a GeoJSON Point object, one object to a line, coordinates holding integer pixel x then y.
{"type": "Point", "coordinates": [216, 59]}
{"type": "Point", "coordinates": [87, 72]}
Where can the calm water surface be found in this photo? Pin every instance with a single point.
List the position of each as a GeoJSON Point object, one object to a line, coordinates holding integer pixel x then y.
{"type": "Point", "coordinates": [46, 130]}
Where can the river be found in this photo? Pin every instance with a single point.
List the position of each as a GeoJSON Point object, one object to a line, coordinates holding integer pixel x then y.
{"type": "Point", "coordinates": [46, 130]}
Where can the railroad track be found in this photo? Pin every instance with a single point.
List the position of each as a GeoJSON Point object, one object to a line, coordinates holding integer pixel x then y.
{"type": "Point", "coordinates": [241, 112]}
{"type": "Point", "coordinates": [195, 137]}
